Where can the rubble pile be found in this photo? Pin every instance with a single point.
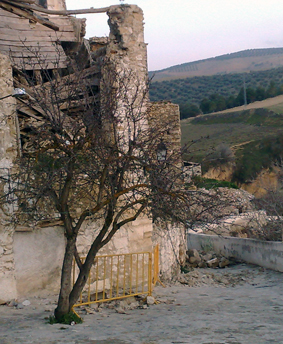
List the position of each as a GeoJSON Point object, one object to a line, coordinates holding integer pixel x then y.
{"type": "Point", "coordinates": [217, 278]}
{"type": "Point", "coordinates": [196, 259]}
{"type": "Point", "coordinates": [119, 306]}
{"type": "Point", "coordinates": [211, 269]}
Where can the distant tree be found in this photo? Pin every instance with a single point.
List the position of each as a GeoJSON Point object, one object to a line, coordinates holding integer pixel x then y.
{"type": "Point", "coordinates": [230, 102]}
{"type": "Point", "coordinates": [189, 110]}
{"type": "Point", "coordinates": [272, 90]}
{"type": "Point", "coordinates": [205, 105]}
{"type": "Point", "coordinates": [260, 93]}
{"type": "Point", "coordinates": [251, 95]}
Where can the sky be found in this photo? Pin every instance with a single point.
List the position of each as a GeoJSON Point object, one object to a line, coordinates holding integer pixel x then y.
{"type": "Point", "coordinates": [180, 31]}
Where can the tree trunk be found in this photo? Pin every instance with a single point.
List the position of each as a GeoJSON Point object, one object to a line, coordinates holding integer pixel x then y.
{"type": "Point", "coordinates": [82, 278]}
{"type": "Point", "coordinates": [95, 247]}
{"type": "Point", "coordinates": [63, 306]}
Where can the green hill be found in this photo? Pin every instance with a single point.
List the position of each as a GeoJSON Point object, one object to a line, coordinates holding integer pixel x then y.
{"type": "Point", "coordinates": [195, 89]}
{"type": "Point", "coordinates": [254, 134]}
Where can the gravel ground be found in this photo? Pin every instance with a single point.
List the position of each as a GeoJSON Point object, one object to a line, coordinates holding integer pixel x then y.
{"type": "Point", "coordinates": [242, 304]}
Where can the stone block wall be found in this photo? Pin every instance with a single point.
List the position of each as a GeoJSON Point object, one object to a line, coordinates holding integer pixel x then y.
{"type": "Point", "coordinates": [165, 116]}
{"type": "Point", "coordinates": [133, 237]}
{"type": "Point", "coordinates": [172, 248]}
{"type": "Point", "coordinates": [8, 150]}
{"type": "Point", "coordinates": [30, 261]}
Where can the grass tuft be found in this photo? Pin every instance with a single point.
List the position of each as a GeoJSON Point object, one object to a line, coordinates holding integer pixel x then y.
{"type": "Point", "coordinates": [67, 319]}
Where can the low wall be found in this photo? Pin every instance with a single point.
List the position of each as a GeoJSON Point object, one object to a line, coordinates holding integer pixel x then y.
{"type": "Point", "coordinates": [268, 254]}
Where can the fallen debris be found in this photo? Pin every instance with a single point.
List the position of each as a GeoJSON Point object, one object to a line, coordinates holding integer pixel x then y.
{"type": "Point", "coordinates": [196, 259]}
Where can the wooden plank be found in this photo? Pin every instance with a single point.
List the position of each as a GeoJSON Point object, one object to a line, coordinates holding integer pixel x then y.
{"type": "Point", "coordinates": [59, 20]}
{"type": "Point", "coordinates": [28, 111]}
{"type": "Point", "coordinates": [25, 1]}
{"type": "Point", "coordinates": [34, 50]}
{"type": "Point", "coordinates": [6, 34]}
{"type": "Point", "coordinates": [29, 63]}
{"type": "Point", "coordinates": [36, 37]}
{"type": "Point", "coordinates": [26, 27]}
{"type": "Point", "coordinates": [29, 15]}
{"type": "Point", "coordinates": [22, 49]}
{"type": "Point", "coordinates": [35, 66]}
{"type": "Point", "coordinates": [63, 12]}
{"type": "Point", "coordinates": [18, 23]}
{"type": "Point", "coordinates": [15, 20]}
{"type": "Point", "coordinates": [31, 54]}
{"type": "Point", "coordinates": [84, 74]}
{"type": "Point", "coordinates": [33, 61]}
{"type": "Point", "coordinates": [19, 44]}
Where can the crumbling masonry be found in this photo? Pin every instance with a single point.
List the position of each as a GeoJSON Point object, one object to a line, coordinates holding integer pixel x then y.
{"type": "Point", "coordinates": [30, 258]}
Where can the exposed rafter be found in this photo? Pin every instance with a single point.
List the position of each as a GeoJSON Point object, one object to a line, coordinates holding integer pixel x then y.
{"type": "Point", "coordinates": [18, 9]}
{"type": "Point", "coordinates": [28, 8]}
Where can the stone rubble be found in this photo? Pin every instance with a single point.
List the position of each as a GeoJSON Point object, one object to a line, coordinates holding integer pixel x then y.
{"type": "Point", "coordinates": [197, 259]}
{"type": "Point", "coordinates": [206, 268]}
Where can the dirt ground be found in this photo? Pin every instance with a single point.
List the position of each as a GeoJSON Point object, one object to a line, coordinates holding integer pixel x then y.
{"type": "Point", "coordinates": [242, 304]}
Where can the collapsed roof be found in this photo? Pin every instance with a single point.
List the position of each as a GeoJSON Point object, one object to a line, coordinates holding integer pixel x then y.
{"type": "Point", "coordinates": [23, 31]}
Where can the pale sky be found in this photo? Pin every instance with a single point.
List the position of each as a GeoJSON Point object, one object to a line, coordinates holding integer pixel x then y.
{"type": "Point", "coordinates": [179, 31]}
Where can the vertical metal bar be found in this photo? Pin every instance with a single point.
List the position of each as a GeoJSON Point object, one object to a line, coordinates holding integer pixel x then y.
{"type": "Point", "coordinates": [96, 286]}
{"type": "Point", "coordinates": [111, 276]}
{"type": "Point", "coordinates": [88, 293]}
{"type": "Point", "coordinates": [155, 264]}
{"type": "Point", "coordinates": [149, 273]}
{"type": "Point", "coordinates": [81, 295]}
{"type": "Point", "coordinates": [131, 272]}
{"type": "Point", "coordinates": [118, 272]}
{"type": "Point", "coordinates": [124, 277]}
{"type": "Point", "coordinates": [137, 273]}
{"type": "Point", "coordinates": [104, 277]}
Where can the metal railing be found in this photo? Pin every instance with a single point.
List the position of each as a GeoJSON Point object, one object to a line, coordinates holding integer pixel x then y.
{"type": "Point", "coordinates": [118, 276]}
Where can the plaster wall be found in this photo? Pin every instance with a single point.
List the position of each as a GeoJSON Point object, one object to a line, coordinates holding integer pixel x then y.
{"type": "Point", "coordinates": [38, 253]}
{"type": "Point", "coordinates": [38, 258]}
{"type": "Point", "coordinates": [263, 253]}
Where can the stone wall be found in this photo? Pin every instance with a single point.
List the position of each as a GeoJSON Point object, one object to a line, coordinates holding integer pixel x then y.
{"type": "Point", "coordinates": [56, 5]}
{"type": "Point", "coordinates": [38, 253]}
{"type": "Point", "coordinates": [8, 148]}
{"type": "Point", "coordinates": [30, 260]}
{"type": "Point", "coordinates": [172, 248]}
{"type": "Point", "coordinates": [133, 237]}
{"type": "Point", "coordinates": [263, 253]}
{"type": "Point", "coordinates": [126, 57]}
{"type": "Point", "coordinates": [166, 116]}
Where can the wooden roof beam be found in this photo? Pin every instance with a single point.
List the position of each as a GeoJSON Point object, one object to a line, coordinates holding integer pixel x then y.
{"type": "Point", "coordinates": [63, 12]}
{"type": "Point", "coordinates": [17, 9]}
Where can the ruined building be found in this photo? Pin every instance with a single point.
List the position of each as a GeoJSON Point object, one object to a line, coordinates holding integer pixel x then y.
{"type": "Point", "coordinates": [30, 258]}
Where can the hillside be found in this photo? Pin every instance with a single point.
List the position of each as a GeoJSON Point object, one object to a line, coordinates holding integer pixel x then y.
{"type": "Point", "coordinates": [239, 62]}
{"type": "Point", "coordinates": [195, 89]}
{"type": "Point", "coordinates": [254, 133]}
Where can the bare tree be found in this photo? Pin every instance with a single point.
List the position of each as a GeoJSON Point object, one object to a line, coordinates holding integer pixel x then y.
{"type": "Point", "coordinates": [89, 155]}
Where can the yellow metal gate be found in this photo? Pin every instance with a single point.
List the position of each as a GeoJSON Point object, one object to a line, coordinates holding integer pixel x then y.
{"type": "Point", "coordinates": [118, 276]}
